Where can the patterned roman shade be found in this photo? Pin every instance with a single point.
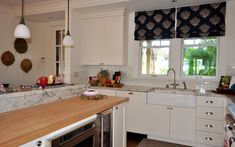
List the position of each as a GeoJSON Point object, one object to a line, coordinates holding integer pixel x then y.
{"type": "Point", "coordinates": [156, 24]}
{"type": "Point", "coordinates": [201, 21]}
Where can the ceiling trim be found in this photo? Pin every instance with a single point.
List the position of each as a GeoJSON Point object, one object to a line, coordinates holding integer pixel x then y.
{"type": "Point", "coordinates": [60, 5]}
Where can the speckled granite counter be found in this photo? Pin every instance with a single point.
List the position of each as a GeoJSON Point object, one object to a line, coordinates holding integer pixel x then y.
{"type": "Point", "coordinates": [18, 100]}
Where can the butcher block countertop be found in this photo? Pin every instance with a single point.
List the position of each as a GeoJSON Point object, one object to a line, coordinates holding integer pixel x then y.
{"type": "Point", "coordinates": [21, 126]}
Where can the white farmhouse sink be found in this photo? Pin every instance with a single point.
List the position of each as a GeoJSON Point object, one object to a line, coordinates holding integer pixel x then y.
{"type": "Point", "coordinates": [172, 98]}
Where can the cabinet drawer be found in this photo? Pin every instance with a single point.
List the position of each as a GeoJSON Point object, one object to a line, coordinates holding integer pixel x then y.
{"type": "Point", "coordinates": [210, 125]}
{"type": "Point", "coordinates": [210, 113]}
{"type": "Point", "coordinates": [210, 101]}
{"type": "Point", "coordinates": [209, 138]}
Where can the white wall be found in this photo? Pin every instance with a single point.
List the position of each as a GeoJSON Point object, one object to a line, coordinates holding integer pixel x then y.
{"type": "Point", "coordinates": [38, 46]}
{"type": "Point", "coordinates": [226, 57]}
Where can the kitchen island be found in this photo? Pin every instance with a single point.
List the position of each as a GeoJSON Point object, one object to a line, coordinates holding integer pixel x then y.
{"type": "Point", "coordinates": [21, 126]}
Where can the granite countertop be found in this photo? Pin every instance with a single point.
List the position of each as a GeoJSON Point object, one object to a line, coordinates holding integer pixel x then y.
{"type": "Point", "coordinates": [21, 126]}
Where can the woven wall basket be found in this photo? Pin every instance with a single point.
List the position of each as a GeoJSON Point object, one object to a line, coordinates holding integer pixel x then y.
{"type": "Point", "coordinates": [20, 45]}
{"type": "Point", "coordinates": [7, 58]}
{"type": "Point", "coordinates": [26, 65]}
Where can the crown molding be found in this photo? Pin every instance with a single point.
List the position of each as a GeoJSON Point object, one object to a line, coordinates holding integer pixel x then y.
{"type": "Point", "coordinates": [60, 5]}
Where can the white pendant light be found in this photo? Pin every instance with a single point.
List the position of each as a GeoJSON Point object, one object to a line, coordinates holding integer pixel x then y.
{"type": "Point", "coordinates": [21, 30]}
{"type": "Point", "coordinates": [68, 40]}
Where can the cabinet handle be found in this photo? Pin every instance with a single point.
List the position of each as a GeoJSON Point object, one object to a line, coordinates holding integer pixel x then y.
{"type": "Point", "coordinates": [209, 126]}
{"type": "Point", "coordinates": [131, 93]}
{"type": "Point", "coordinates": [208, 138]}
{"type": "Point", "coordinates": [169, 108]}
{"type": "Point", "coordinates": [39, 143]}
{"type": "Point", "coordinates": [209, 113]}
{"type": "Point", "coordinates": [116, 108]}
{"type": "Point", "coordinates": [209, 102]}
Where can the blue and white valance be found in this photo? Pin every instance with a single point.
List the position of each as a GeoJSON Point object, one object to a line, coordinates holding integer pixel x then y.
{"type": "Point", "coordinates": [201, 21]}
{"type": "Point", "coordinates": [156, 24]}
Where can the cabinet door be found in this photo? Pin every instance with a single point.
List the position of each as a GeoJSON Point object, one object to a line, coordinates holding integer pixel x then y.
{"type": "Point", "coordinates": [112, 53]}
{"type": "Point", "coordinates": [136, 110]}
{"type": "Point", "coordinates": [91, 41]}
{"type": "Point", "coordinates": [119, 133]}
{"type": "Point", "coordinates": [106, 92]}
{"type": "Point", "coordinates": [182, 123]}
{"type": "Point", "coordinates": [157, 122]}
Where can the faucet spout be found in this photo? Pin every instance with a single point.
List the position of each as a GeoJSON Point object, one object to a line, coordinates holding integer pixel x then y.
{"type": "Point", "coordinates": [174, 83]}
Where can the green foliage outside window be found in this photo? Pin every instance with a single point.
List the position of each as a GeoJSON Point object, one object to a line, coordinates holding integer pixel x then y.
{"type": "Point", "coordinates": [200, 57]}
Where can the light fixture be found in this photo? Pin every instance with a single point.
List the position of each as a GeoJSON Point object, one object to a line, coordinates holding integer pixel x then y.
{"type": "Point", "coordinates": [21, 30]}
{"type": "Point", "coordinates": [68, 40]}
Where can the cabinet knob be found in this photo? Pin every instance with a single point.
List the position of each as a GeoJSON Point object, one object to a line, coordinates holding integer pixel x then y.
{"type": "Point", "coordinates": [116, 108]}
{"type": "Point", "coordinates": [209, 126]}
{"type": "Point", "coordinates": [208, 138]}
{"type": "Point", "coordinates": [209, 113]}
{"type": "Point", "coordinates": [39, 143]}
{"type": "Point", "coordinates": [209, 102]}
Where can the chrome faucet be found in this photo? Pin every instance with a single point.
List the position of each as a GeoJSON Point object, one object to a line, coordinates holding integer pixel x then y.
{"type": "Point", "coordinates": [174, 84]}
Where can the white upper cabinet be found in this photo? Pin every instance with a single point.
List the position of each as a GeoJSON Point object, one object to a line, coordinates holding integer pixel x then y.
{"type": "Point", "coordinates": [103, 38]}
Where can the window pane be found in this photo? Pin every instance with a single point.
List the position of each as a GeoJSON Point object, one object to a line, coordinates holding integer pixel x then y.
{"type": "Point", "coordinates": [189, 42]}
{"type": "Point", "coordinates": [144, 44]}
{"type": "Point", "coordinates": [58, 37]}
{"type": "Point", "coordinates": [155, 58]}
{"type": "Point", "coordinates": [57, 53]}
{"type": "Point", "coordinates": [198, 41]}
{"type": "Point", "coordinates": [200, 60]}
{"type": "Point", "coordinates": [156, 43]}
{"type": "Point", "coordinates": [165, 42]}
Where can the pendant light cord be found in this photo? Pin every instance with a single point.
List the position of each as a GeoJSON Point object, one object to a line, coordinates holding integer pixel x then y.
{"type": "Point", "coordinates": [22, 8]}
{"type": "Point", "coordinates": [68, 33]}
{"type": "Point", "coordinates": [22, 13]}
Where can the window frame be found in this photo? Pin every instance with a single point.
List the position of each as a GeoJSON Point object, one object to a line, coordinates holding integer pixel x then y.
{"type": "Point", "coordinates": [200, 77]}
{"type": "Point", "coordinates": [151, 76]}
{"type": "Point", "coordinates": [61, 62]}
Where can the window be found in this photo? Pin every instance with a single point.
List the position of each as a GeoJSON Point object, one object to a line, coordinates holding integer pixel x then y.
{"type": "Point", "coordinates": [155, 57]}
{"type": "Point", "coordinates": [200, 57]}
{"type": "Point", "coordinates": [59, 51]}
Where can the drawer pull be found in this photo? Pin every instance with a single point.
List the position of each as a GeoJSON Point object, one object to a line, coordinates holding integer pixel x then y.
{"type": "Point", "coordinates": [131, 93]}
{"type": "Point", "coordinates": [209, 113]}
{"type": "Point", "coordinates": [209, 126]}
{"type": "Point", "coordinates": [209, 102]}
{"type": "Point", "coordinates": [208, 138]}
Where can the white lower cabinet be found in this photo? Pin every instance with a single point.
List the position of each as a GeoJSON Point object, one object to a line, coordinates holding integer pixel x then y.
{"type": "Point", "coordinates": [171, 123]}
{"type": "Point", "coordinates": [136, 110]}
{"type": "Point", "coordinates": [210, 120]}
{"type": "Point", "coordinates": [119, 133]}
{"type": "Point", "coordinates": [182, 123]}
{"type": "Point", "coordinates": [158, 121]}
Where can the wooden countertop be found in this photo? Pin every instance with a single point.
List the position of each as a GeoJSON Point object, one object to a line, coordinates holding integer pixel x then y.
{"type": "Point", "coordinates": [21, 126]}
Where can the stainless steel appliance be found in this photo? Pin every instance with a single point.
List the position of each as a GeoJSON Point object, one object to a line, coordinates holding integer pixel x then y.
{"type": "Point", "coordinates": [229, 139]}
{"type": "Point", "coordinates": [106, 128]}
{"type": "Point", "coordinates": [85, 136]}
